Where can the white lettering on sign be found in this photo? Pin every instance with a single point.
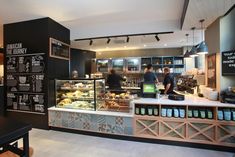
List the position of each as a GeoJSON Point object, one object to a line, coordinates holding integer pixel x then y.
{"type": "Point", "coordinates": [16, 49]}
{"type": "Point", "coordinates": [228, 62]}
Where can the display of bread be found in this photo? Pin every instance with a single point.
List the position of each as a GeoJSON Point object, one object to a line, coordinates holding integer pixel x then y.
{"type": "Point", "coordinates": [114, 96]}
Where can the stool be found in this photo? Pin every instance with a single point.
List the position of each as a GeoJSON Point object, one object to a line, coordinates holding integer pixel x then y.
{"type": "Point", "coordinates": [10, 154]}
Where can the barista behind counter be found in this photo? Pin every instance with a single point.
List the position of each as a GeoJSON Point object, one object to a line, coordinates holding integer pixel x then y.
{"type": "Point", "coordinates": [114, 81]}
{"type": "Point", "coordinates": [168, 82]}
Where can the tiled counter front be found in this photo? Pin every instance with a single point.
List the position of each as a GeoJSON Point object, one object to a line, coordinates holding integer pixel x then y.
{"type": "Point", "coordinates": [91, 122]}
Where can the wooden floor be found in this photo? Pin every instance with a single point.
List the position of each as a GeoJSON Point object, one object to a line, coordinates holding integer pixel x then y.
{"type": "Point", "coordinates": [61, 144]}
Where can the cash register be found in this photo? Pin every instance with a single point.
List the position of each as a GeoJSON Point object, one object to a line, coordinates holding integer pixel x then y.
{"type": "Point", "coordinates": [149, 90]}
{"type": "Point", "coordinates": [228, 97]}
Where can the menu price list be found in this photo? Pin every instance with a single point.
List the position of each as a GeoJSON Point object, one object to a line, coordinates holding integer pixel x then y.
{"type": "Point", "coordinates": [25, 64]}
{"type": "Point", "coordinates": [26, 102]}
{"type": "Point", "coordinates": [25, 82]}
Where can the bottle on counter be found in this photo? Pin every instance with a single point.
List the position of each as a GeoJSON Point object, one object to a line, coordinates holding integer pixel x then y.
{"type": "Point", "coordinates": [209, 114]}
{"type": "Point", "coordinates": [190, 113]}
{"type": "Point", "coordinates": [137, 110]}
{"type": "Point", "coordinates": [163, 113]}
{"type": "Point", "coordinates": [195, 113]}
{"type": "Point", "coordinates": [182, 112]}
{"type": "Point", "coordinates": [155, 111]}
{"type": "Point", "coordinates": [176, 112]}
{"type": "Point", "coordinates": [220, 115]}
{"type": "Point", "coordinates": [142, 110]}
{"type": "Point", "coordinates": [202, 113]}
{"type": "Point", "coordinates": [227, 114]}
{"type": "Point", "coordinates": [150, 110]}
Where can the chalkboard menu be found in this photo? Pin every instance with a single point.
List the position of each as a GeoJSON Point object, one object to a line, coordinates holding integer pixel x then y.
{"type": "Point", "coordinates": [228, 63]}
{"type": "Point", "coordinates": [25, 79]}
{"type": "Point", "coordinates": [59, 49]}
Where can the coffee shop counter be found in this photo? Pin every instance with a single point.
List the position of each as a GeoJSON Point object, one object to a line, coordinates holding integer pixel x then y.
{"type": "Point", "coordinates": [189, 100]}
{"type": "Point", "coordinates": [194, 120]}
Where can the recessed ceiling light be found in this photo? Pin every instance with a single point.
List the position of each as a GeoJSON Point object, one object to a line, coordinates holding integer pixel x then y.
{"type": "Point", "coordinates": [145, 45]}
{"type": "Point", "coordinates": [124, 46]}
{"type": "Point", "coordinates": [99, 53]}
{"type": "Point", "coordinates": [165, 44]}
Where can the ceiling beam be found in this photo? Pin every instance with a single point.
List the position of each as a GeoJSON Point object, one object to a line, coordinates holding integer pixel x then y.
{"type": "Point", "coordinates": [185, 8]}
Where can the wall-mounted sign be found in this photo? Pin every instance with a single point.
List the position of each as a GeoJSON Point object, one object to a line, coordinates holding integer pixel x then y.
{"type": "Point", "coordinates": [228, 63]}
{"type": "Point", "coordinates": [59, 49]}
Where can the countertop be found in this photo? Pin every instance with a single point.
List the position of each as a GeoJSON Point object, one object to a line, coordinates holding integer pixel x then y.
{"type": "Point", "coordinates": [189, 100]}
{"type": "Point", "coordinates": [107, 113]}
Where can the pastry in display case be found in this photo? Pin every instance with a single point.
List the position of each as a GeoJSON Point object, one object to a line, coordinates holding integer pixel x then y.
{"type": "Point", "coordinates": [114, 102]}
{"type": "Point", "coordinates": [79, 93]}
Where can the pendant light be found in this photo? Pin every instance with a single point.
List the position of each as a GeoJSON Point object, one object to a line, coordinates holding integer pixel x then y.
{"type": "Point", "coordinates": [193, 52]}
{"type": "Point", "coordinates": [186, 55]}
{"type": "Point", "coordinates": [202, 48]}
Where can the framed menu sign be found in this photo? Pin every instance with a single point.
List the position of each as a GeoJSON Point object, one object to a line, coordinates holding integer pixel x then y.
{"type": "Point", "coordinates": [59, 49]}
{"type": "Point", "coordinates": [228, 63]}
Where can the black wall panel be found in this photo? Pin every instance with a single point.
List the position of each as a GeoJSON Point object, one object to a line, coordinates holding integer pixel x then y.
{"type": "Point", "coordinates": [80, 61]}
{"type": "Point", "coordinates": [34, 35]}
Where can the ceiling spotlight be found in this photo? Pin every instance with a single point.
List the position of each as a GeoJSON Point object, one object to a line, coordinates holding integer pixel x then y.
{"type": "Point", "coordinates": [108, 41]}
{"type": "Point", "coordinates": [127, 39]}
{"type": "Point", "coordinates": [91, 42]}
{"type": "Point", "coordinates": [157, 38]}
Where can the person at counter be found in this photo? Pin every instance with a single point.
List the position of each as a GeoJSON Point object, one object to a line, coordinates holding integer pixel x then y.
{"type": "Point", "coordinates": [168, 82]}
{"type": "Point", "coordinates": [114, 80]}
{"type": "Point", "coordinates": [149, 76]}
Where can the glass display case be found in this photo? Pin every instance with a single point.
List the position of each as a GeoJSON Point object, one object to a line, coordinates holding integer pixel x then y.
{"type": "Point", "coordinates": [114, 101]}
{"type": "Point", "coordinates": [79, 93]}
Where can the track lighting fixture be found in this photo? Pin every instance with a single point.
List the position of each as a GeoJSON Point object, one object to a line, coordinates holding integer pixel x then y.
{"type": "Point", "coordinates": [127, 39]}
{"type": "Point", "coordinates": [91, 42]}
{"type": "Point", "coordinates": [108, 41]}
{"type": "Point", "coordinates": [157, 38]}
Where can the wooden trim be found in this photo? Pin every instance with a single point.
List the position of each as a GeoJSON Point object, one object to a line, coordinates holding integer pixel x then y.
{"type": "Point", "coordinates": [50, 55]}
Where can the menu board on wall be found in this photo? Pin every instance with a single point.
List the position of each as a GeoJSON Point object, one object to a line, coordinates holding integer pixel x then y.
{"type": "Point", "coordinates": [228, 63]}
{"type": "Point", "coordinates": [59, 49]}
{"type": "Point", "coordinates": [25, 79]}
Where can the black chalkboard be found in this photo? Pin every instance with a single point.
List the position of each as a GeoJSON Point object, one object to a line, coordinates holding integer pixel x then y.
{"type": "Point", "coordinates": [59, 49]}
{"type": "Point", "coordinates": [228, 63]}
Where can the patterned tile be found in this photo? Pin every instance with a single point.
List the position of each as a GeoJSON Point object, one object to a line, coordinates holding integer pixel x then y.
{"type": "Point", "coordinates": [91, 122]}
{"type": "Point", "coordinates": [101, 127]}
{"type": "Point", "coordinates": [118, 130]}
{"type": "Point", "coordinates": [86, 126]}
{"type": "Point", "coordinates": [119, 121]}
{"type": "Point", "coordinates": [101, 119]}
{"type": "Point", "coordinates": [128, 130]}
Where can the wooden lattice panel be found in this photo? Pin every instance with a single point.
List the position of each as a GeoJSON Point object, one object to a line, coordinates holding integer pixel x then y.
{"type": "Point", "coordinates": [187, 130]}
{"type": "Point", "coordinates": [226, 134]}
{"type": "Point", "coordinates": [173, 129]}
{"type": "Point", "coordinates": [147, 128]}
{"type": "Point", "coordinates": [201, 132]}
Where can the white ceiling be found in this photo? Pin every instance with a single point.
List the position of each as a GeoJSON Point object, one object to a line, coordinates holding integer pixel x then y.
{"type": "Point", "coordinates": [97, 18]}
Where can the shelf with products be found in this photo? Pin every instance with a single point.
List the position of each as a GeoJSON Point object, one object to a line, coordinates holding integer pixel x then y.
{"type": "Point", "coordinates": [226, 114]}
{"type": "Point", "coordinates": [207, 124]}
{"type": "Point", "coordinates": [132, 65]}
{"type": "Point", "coordinates": [79, 93]}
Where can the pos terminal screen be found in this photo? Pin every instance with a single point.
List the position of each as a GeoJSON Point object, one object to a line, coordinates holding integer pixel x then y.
{"type": "Point", "coordinates": [149, 88]}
